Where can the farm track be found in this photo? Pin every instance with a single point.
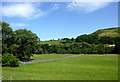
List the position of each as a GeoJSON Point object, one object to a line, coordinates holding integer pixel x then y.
{"type": "Point", "coordinates": [31, 62]}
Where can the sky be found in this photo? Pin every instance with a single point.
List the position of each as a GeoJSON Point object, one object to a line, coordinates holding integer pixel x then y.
{"type": "Point", "coordinates": [53, 20]}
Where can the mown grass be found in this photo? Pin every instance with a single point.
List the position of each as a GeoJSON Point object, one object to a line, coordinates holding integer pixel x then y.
{"type": "Point", "coordinates": [85, 67]}
{"type": "Point", "coordinates": [38, 57]}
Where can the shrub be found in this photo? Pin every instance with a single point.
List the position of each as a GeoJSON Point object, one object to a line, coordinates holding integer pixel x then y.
{"type": "Point", "coordinates": [10, 60]}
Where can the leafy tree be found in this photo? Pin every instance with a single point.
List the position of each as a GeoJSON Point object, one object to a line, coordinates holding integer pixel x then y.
{"type": "Point", "coordinates": [65, 39]}
{"type": "Point", "coordinates": [10, 60]}
{"type": "Point", "coordinates": [117, 39]}
{"type": "Point", "coordinates": [117, 48]}
{"type": "Point", "coordinates": [100, 49]}
{"type": "Point", "coordinates": [21, 43]}
{"type": "Point", "coordinates": [0, 37]}
{"type": "Point", "coordinates": [46, 48]}
{"type": "Point", "coordinates": [81, 38]}
{"type": "Point", "coordinates": [26, 42]}
{"type": "Point", "coordinates": [72, 39]}
{"type": "Point", "coordinates": [107, 40]}
{"type": "Point", "coordinates": [38, 50]}
{"type": "Point", "coordinates": [53, 49]}
{"type": "Point", "coordinates": [7, 37]}
{"type": "Point", "coordinates": [91, 39]}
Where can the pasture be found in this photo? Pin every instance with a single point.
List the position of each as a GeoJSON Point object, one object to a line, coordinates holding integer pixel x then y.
{"type": "Point", "coordinates": [85, 67]}
{"type": "Point", "coordinates": [48, 56]}
{"type": "Point", "coordinates": [56, 42]}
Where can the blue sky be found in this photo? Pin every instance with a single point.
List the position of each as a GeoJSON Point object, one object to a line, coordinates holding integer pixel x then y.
{"type": "Point", "coordinates": [53, 20]}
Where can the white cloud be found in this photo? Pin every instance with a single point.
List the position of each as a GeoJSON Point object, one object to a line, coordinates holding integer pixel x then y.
{"type": "Point", "coordinates": [55, 7]}
{"type": "Point", "coordinates": [26, 10]}
{"type": "Point", "coordinates": [86, 6]}
{"type": "Point", "coordinates": [18, 24]}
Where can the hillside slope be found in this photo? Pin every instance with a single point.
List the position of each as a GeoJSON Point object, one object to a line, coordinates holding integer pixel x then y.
{"type": "Point", "coordinates": [111, 32]}
{"type": "Point", "coordinates": [56, 42]}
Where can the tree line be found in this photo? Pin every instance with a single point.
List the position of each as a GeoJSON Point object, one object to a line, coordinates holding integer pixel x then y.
{"type": "Point", "coordinates": [74, 48]}
{"type": "Point", "coordinates": [20, 45]}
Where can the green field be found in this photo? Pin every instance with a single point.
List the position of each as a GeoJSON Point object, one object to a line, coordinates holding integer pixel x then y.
{"type": "Point", "coordinates": [51, 42]}
{"type": "Point", "coordinates": [85, 67]}
{"type": "Point", "coordinates": [49, 56]}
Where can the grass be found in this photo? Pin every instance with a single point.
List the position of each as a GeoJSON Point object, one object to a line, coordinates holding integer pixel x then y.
{"type": "Point", "coordinates": [85, 67]}
{"type": "Point", "coordinates": [0, 67]}
{"type": "Point", "coordinates": [110, 32]}
{"type": "Point", "coordinates": [51, 42]}
{"type": "Point", "coordinates": [49, 56]}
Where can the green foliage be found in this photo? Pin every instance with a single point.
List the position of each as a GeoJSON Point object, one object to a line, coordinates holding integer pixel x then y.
{"type": "Point", "coordinates": [72, 39]}
{"type": "Point", "coordinates": [65, 39]}
{"type": "Point", "coordinates": [107, 40]}
{"type": "Point", "coordinates": [26, 42]}
{"type": "Point", "coordinates": [7, 37]}
{"type": "Point", "coordinates": [94, 39]}
{"type": "Point", "coordinates": [91, 39]}
{"type": "Point", "coordinates": [51, 42]}
{"type": "Point", "coordinates": [74, 48]}
{"type": "Point", "coordinates": [9, 60]}
{"type": "Point", "coordinates": [117, 48]}
{"type": "Point", "coordinates": [21, 43]}
{"type": "Point", "coordinates": [118, 31]}
{"type": "Point", "coordinates": [84, 44]}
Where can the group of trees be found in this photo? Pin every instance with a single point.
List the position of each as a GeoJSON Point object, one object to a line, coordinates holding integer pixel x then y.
{"type": "Point", "coordinates": [74, 48]}
{"type": "Point", "coordinates": [22, 44]}
{"type": "Point", "coordinates": [95, 39]}
{"type": "Point", "coordinates": [83, 44]}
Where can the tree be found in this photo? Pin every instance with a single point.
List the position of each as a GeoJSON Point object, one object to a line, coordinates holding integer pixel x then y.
{"type": "Point", "coordinates": [9, 60]}
{"type": "Point", "coordinates": [65, 39]}
{"type": "Point", "coordinates": [0, 37]}
{"type": "Point", "coordinates": [7, 37]}
{"type": "Point", "coordinates": [53, 48]}
{"type": "Point", "coordinates": [107, 40]}
{"type": "Point", "coordinates": [117, 48]}
{"type": "Point", "coordinates": [72, 39]}
{"type": "Point", "coordinates": [46, 48]}
{"type": "Point", "coordinates": [21, 43]}
{"type": "Point", "coordinates": [26, 43]}
{"type": "Point", "coordinates": [100, 49]}
{"type": "Point", "coordinates": [91, 39]}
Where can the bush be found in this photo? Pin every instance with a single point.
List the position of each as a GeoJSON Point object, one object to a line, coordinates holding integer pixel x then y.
{"type": "Point", "coordinates": [117, 48]}
{"type": "Point", "coordinates": [10, 60]}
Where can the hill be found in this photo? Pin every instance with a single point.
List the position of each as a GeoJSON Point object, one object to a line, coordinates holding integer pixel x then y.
{"type": "Point", "coordinates": [111, 32]}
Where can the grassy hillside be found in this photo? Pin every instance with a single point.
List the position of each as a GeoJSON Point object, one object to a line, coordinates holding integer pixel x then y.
{"type": "Point", "coordinates": [51, 42]}
{"type": "Point", "coordinates": [111, 32]}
